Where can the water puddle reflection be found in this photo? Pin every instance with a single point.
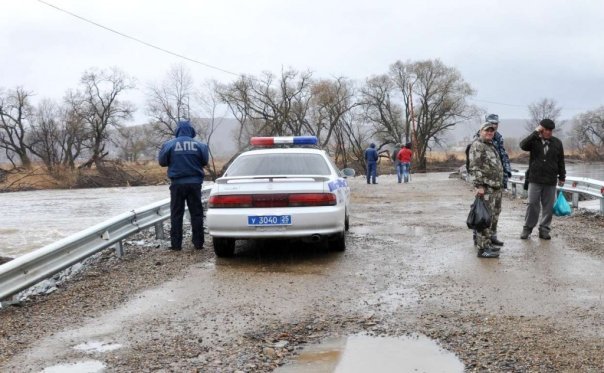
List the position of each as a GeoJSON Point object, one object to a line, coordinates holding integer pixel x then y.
{"type": "Point", "coordinates": [96, 346]}
{"type": "Point", "coordinates": [87, 366]}
{"type": "Point", "coordinates": [362, 353]}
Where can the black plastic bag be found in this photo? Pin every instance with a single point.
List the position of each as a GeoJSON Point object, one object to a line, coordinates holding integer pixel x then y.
{"type": "Point", "coordinates": [479, 217]}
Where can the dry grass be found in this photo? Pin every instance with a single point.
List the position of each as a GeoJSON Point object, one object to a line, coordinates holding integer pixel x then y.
{"type": "Point", "coordinates": [117, 173]}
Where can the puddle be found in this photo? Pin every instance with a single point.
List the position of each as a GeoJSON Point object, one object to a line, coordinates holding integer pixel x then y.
{"type": "Point", "coordinates": [362, 353]}
{"type": "Point", "coordinates": [406, 230]}
{"type": "Point", "coordinates": [87, 366]}
{"type": "Point", "coordinates": [96, 346]}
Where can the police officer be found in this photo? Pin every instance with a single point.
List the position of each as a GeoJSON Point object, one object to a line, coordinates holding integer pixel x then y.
{"type": "Point", "coordinates": [185, 158]}
{"type": "Point", "coordinates": [371, 157]}
{"type": "Point", "coordinates": [487, 171]}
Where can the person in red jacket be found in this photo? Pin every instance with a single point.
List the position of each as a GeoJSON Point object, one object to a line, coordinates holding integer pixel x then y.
{"type": "Point", "coordinates": [404, 157]}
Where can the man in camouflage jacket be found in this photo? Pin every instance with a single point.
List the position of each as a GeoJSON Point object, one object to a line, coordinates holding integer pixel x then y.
{"type": "Point", "coordinates": [487, 172]}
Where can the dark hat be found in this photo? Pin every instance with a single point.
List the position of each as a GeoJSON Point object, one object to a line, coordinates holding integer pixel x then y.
{"type": "Point", "coordinates": [547, 123]}
{"type": "Point", "coordinates": [372, 145]}
{"type": "Point", "coordinates": [492, 118]}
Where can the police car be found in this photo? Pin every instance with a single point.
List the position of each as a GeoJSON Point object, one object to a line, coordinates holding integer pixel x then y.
{"type": "Point", "coordinates": [285, 188]}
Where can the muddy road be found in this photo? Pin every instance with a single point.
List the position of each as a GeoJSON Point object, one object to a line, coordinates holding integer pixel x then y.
{"type": "Point", "coordinates": [410, 268]}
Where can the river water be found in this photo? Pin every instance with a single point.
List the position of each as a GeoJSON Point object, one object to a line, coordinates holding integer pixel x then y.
{"type": "Point", "coordinates": [592, 170]}
{"type": "Point", "coordinates": [30, 220]}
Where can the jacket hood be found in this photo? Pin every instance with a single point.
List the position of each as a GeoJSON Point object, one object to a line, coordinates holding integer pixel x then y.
{"type": "Point", "coordinates": [184, 129]}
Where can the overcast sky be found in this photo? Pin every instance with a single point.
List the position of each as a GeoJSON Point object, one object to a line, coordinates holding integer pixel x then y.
{"type": "Point", "coordinates": [512, 52]}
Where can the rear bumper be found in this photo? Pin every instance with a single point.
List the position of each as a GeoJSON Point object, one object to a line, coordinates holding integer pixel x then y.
{"type": "Point", "coordinates": [306, 221]}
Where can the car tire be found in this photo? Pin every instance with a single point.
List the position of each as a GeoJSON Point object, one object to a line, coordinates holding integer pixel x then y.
{"type": "Point", "coordinates": [337, 243]}
{"type": "Point", "coordinates": [224, 247]}
{"type": "Point", "coordinates": [346, 222]}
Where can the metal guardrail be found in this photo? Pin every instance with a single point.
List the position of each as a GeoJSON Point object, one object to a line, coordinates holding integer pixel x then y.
{"type": "Point", "coordinates": [574, 185]}
{"type": "Point", "coordinates": [31, 268]}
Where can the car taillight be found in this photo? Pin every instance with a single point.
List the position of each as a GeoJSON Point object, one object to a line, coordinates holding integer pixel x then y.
{"type": "Point", "coordinates": [230, 201]}
{"type": "Point", "coordinates": [312, 199]}
{"type": "Point", "coordinates": [272, 200]}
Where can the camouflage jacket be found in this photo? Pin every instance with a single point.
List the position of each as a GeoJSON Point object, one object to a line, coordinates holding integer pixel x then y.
{"type": "Point", "coordinates": [485, 165]}
{"type": "Point", "coordinates": [503, 156]}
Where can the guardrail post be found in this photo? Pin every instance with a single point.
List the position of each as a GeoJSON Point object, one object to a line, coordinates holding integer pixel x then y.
{"type": "Point", "coordinates": [159, 230]}
{"type": "Point", "coordinates": [575, 200]}
{"type": "Point", "coordinates": [119, 249]}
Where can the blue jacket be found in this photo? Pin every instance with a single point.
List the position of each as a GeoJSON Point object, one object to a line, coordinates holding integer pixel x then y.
{"type": "Point", "coordinates": [371, 155]}
{"type": "Point", "coordinates": [184, 156]}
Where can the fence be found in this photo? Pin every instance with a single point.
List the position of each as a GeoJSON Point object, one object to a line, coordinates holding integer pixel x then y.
{"type": "Point", "coordinates": [573, 185]}
{"type": "Point", "coordinates": [31, 268]}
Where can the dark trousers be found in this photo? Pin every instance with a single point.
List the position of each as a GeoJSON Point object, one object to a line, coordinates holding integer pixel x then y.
{"type": "Point", "coordinates": [191, 193]}
{"type": "Point", "coordinates": [541, 198]}
{"type": "Point", "coordinates": [371, 172]}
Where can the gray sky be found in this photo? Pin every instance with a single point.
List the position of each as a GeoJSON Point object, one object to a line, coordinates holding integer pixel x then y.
{"type": "Point", "coordinates": [512, 52]}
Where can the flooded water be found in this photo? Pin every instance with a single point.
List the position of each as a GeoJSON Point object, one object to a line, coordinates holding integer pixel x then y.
{"type": "Point", "coordinates": [30, 220]}
{"type": "Point", "coordinates": [87, 366]}
{"type": "Point", "coordinates": [593, 170]}
{"type": "Point", "coordinates": [363, 353]}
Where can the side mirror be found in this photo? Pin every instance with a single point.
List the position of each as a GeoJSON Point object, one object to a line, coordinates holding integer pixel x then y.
{"type": "Point", "coordinates": [348, 172]}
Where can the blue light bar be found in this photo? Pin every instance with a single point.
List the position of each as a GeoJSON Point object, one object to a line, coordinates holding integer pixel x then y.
{"type": "Point", "coordinates": [305, 140]}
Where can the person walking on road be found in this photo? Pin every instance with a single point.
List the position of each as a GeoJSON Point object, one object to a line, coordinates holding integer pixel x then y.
{"type": "Point", "coordinates": [404, 156]}
{"type": "Point", "coordinates": [185, 158]}
{"type": "Point", "coordinates": [487, 172]}
{"type": "Point", "coordinates": [371, 157]}
{"type": "Point", "coordinates": [546, 167]}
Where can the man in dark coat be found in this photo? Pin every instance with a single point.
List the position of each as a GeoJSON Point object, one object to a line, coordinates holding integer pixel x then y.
{"type": "Point", "coordinates": [546, 168]}
{"type": "Point", "coordinates": [185, 158]}
{"type": "Point", "coordinates": [371, 157]}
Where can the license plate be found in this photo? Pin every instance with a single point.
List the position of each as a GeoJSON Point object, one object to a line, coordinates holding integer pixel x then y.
{"type": "Point", "coordinates": [269, 220]}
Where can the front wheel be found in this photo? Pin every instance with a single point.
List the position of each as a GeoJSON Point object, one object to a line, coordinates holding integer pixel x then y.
{"type": "Point", "coordinates": [224, 247]}
{"type": "Point", "coordinates": [337, 243]}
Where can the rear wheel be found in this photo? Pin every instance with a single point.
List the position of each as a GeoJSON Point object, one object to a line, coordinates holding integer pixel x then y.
{"type": "Point", "coordinates": [224, 247]}
{"type": "Point", "coordinates": [337, 243]}
{"type": "Point", "coordinates": [346, 222]}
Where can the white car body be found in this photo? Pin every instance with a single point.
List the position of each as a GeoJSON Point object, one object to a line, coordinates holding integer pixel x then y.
{"type": "Point", "coordinates": [313, 222]}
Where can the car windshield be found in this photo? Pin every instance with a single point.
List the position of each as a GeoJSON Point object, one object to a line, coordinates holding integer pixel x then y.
{"type": "Point", "coordinates": [279, 164]}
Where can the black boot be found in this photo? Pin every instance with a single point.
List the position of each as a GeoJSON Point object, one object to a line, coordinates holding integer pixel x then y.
{"type": "Point", "coordinates": [544, 235]}
{"type": "Point", "coordinates": [495, 241]}
{"type": "Point", "coordinates": [526, 232]}
{"type": "Point", "coordinates": [487, 252]}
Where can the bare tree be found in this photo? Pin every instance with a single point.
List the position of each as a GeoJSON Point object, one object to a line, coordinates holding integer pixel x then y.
{"type": "Point", "coordinates": [73, 136]}
{"type": "Point", "coordinates": [331, 100]}
{"type": "Point", "coordinates": [46, 134]}
{"type": "Point", "coordinates": [209, 106]}
{"type": "Point", "coordinates": [542, 109]}
{"type": "Point", "coordinates": [404, 81]}
{"type": "Point", "coordinates": [97, 105]}
{"type": "Point", "coordinates": [588, 133]}
{"type": "Point", "coordinates": [271, 106]}
{"type": "Point", "coordinates": [15, 115]}
{"type": "Point", "coordinates": [442, 94]}
{"type": "Point", "coordinates": [170, 101]}
{"type": "Point", "coordinates": [381, 109]}
{"type": "Point", "coordinates": [133, 142]}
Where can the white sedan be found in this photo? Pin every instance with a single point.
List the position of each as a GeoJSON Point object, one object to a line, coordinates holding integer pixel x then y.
{"type": "Point", "coordinates": [280, 192]}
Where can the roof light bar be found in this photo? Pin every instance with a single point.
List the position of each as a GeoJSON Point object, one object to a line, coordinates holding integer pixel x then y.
{"type": "Point", "coordinates": [295, 140]}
